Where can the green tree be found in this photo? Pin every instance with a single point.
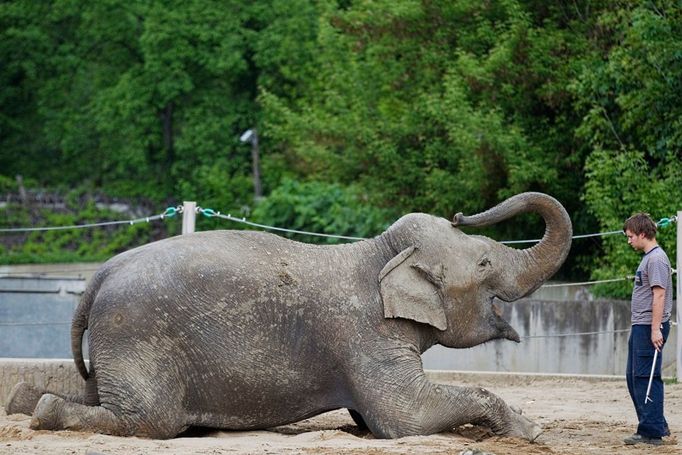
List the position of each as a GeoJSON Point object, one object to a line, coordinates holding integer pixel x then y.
{"type": "Point", "coordinates": [27, 45]}
{"type": "Point", "coordinates": [632, 101]}
{"type": "Point", "coordinates": [442, 107]}
{"type": "Point", "coordinates": [365, 110]}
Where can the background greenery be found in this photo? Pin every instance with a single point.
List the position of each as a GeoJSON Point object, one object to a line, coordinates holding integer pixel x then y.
{"type": "Point", "coordinates": [365, 109]}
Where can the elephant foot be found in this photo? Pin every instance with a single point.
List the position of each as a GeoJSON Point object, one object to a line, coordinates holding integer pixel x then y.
{"type": "Point", "coordinates": [522, 427]}
{"type": "Point", "coordinates": [47, 413]}
{"type": "Point", "coordinates": [505, 420]}
{"type": "Point", "coordinates": [22, 399]}
{"type": "Point", "coordinates": [56, 413]}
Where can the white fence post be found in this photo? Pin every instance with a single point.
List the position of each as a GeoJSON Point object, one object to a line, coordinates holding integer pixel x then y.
{"type": "Point", "coordinates": [679, 295]}
{"type": "Point", "coordinates": [189, 212]}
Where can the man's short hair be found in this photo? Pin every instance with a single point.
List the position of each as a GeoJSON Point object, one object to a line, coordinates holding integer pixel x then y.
{"type": "Point", "coordinates": [641, 223]}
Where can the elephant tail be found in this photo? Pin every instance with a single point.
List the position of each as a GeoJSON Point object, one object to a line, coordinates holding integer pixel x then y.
{"type": "Point", "coordinates": [79, 324]}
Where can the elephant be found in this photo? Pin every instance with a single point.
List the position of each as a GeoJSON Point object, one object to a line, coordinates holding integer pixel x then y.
{"type": "Point", "coordinates": [243, 330]}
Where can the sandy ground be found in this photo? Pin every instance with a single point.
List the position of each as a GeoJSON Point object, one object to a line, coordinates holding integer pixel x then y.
{"type": "Point", "coordinates": [579, 417]}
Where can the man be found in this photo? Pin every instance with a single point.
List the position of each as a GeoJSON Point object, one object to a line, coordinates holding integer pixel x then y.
{"type": "Point", "coordinates": [651, 307]}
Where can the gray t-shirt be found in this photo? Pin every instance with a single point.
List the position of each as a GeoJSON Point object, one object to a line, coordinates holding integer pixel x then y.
{"type": "Point", "coordinates": [653, 270]}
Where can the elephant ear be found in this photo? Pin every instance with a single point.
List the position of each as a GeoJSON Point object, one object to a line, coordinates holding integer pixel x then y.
{"type": "Point", "coordinates": [410, 291]}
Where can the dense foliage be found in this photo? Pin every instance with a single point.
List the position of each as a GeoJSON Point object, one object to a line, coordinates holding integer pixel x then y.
{"type": "Point", "coordinates": [364, 110]}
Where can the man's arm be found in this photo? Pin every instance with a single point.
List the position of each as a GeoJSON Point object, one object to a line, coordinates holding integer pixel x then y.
{"type": "Point", "coordinates": [657, 316]}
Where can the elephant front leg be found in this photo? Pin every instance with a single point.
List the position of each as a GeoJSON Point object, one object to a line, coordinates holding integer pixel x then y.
{"type": "Point", "coordinates": [487, 409]}
{"type": "Point", "coordinates": [422, 407]}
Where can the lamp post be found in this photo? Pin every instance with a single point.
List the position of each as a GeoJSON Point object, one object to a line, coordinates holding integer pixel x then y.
{"type": "Point", "coordinates": [251, 136]}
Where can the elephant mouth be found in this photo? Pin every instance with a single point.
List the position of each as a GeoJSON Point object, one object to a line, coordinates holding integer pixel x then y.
{"type": "Point", "coordinates": [503, 328]}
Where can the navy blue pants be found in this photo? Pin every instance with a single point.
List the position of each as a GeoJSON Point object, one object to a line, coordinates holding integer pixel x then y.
{"type": "Point", "coordinates": [652, 423]}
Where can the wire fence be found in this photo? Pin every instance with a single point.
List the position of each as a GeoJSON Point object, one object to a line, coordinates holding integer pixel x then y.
{"type": "Point", "coordinates": [210, 213]}
{"type": "Point", "coordinates": [171, 212]}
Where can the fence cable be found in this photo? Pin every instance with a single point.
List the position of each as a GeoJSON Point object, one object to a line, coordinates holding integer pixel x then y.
{"type": "Point", "coordinates": [585, 283]}
{"type": "Point", "coordinates": [169, 213]}
{"type": "Point", "coordinates": [663, 222]}
{"type": "Point", "coordinates": [563, 335]}
{"type": "Point", "coordinates": [582, 236]}
{"type": "Point", "coordinates": [31, 324]}
{"type": "Point", "coordinates": [209, 213]}
{"type": "Point", "coordinates": [673, 325]}
{"type": "Point", "coordinates": [76, 272]}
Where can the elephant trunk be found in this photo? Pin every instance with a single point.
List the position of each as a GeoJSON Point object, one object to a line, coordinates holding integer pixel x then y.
{"type": "Point", "coordinates": [533, 266]}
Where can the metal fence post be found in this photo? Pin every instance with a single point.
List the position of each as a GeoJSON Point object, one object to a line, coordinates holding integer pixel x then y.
{"type": "Point", "coordinates": [679, 294]}
{"type": "Point", "coordinates": [189, 212]}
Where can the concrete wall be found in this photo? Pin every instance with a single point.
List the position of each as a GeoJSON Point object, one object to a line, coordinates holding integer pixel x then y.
{"type": "Point", "coordinates": [35, 315]}
{"type": "Point", "coordinates": [553, 310]}
{"type": "Point", "coordinates": [58, 376]}
{"type": "Point", "coordinates": [541, 350]}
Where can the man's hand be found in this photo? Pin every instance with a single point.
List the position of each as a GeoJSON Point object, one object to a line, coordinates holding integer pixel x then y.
{"type": "Point", "coordinates": [657, 338]}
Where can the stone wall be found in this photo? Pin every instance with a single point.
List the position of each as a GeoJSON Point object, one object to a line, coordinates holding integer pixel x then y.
{"type": "Point", "coordinates": [59, 376]}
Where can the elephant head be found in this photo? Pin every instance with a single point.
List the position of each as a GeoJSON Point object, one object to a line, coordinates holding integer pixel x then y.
{"type": "Point", "coordinates": [449, 280]}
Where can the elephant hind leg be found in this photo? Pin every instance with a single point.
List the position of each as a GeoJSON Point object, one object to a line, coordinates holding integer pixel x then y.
{"type": "Point", "coordinates": [24, 397]}
{"type": "Point", "coordinates": [55, 413]}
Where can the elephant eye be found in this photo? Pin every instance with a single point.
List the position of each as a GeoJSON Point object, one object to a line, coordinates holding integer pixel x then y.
{"type": "Point", "coordinates": [484, 262]}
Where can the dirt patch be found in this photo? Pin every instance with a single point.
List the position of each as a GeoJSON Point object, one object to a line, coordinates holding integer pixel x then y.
{"type": "Point", "coordinates": [14, 433]}
{"type": "Point", "coordinates": [579, 417]}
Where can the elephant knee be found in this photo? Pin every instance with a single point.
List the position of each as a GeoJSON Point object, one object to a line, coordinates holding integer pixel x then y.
{"type": "Point", "coordinates": [488, 399]}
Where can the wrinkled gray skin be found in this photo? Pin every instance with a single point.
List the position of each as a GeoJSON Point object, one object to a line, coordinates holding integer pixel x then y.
{"type": "Point", "coordinates": [246, 330]}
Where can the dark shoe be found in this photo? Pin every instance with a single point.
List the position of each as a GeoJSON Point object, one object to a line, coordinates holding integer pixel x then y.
{"type": "Point", "coordinates": [639, 439]}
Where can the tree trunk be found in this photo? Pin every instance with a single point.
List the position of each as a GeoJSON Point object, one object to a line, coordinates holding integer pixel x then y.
{"type": "Point", "coordinates": [167, 119]}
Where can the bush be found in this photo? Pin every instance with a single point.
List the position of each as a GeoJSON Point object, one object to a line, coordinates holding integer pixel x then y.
{"type": "Point", "coordinates": [72, 245]}
{"type": "Point", "coordinates": [320, 207]}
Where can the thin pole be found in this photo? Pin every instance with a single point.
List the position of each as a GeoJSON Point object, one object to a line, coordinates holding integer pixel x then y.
{"type": "Point", "coordinates": [679, 293]}
{"type": "Point", "coordinates": [189, 212]}
{"type": "Point", "coordinates": [651, 378]}
{"type": "Point", "coordinates": [255, 163]}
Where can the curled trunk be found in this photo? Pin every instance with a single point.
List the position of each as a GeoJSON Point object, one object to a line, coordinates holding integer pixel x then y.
{"type": "Point", "coordinates": [533, 266]}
